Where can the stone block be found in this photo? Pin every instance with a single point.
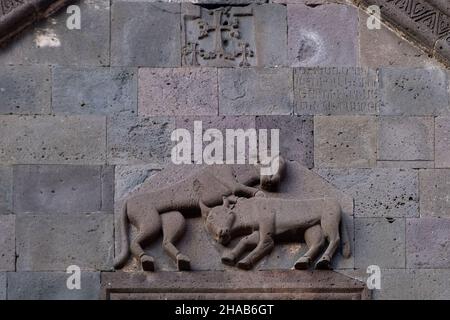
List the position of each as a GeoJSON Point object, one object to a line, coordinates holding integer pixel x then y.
{"type": "Point", "coordinates": [51, 42]}
{"type": "Point", "coordinates": [54, 242]}
{"type": "Point", "coordinates": [378, 192]}
{"type": "Point", "coordinates": [442, 49]}
{"type": "Point", "coordinates": [128, 178]}
{"type": "Point", "coordinates": [405, 164]}
{"type": "Point", "coordinates": [52, 139]}
{"type": "Point", "coordinates": [380, 241]}
{"type": "Point", "coordinates": [51, 286]}
{"type": "Point", "coordinates": [25, 90]}
{"type": "Point", "coordinates": [414, 92]}
{"type": "Point", "coordinates": [406, 138]}
{"type": "Point", "coordinates": [442, 142]}
{"type": "Point", "coordinates": [255, 91]}
{"type": "Point", "coordinates": [3, 285]}
{"type": "Point", "coordinates": [296, 136]}
{"type": "Point", "coordinates": [6, 189]}
{"type": "Point", "coordinates": [7, 243]}
{"type": "Point", "coordinates": [178, 91]}
{"type": "Point", "coordinates": [324, 35]}
{"type": "Point", "coordinates": [336, 91]}
{"type": "Point", "coordinates": [345, 141]}
{"type": "Point", "coordinates": [103, 91]}
{"type": "Point", "coordinates": [63, 189]}
{"type": "Point", "coordinates": [427, 245]}
{"type": "Point", "coordinates": [145, 34]}
{"type": "Point", "coordinates": [434, 192]}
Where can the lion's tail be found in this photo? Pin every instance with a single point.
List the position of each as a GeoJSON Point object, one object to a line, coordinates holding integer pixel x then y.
{"type": "Point", "coordinates": [346, 246]}
{"type": "Point", "coordinates": [120, 260]}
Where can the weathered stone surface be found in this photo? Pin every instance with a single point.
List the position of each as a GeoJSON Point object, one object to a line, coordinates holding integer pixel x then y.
{"type": "Point", "coordinates": [442, 142]}
{"type": "Point", "coordinates": [434, 192]}
{"type": "Point", "coordinates": [54, 242]}
{"type": "Point", "coordinates": [152, 38]}
{"type": "Point", "coordinates": [345, 141]}
{"type": "Point", "coordinates": [427, 244]}
{"type": "Point", "coordinates": [6, 189]}
{"type": "Point", "coordinates": [25, 90]}
{"type": "Point", "coordinates": [336, 91]}
{"type": "Point", "coordinates": [255, 91]}
{"type": "Point", "coordinates": [442, 49]}
{"type": "Point", "coordinates": [378, 192]}
{"type": "Point", "coordinates": [7, 243]}
{"type": "Point", "coordinates": [3, 285]}
{"type": "Point", "coordinates": [52, 286]}
{"type": "Point", "coordinates": [406, 138]}
{"type": "Point", "coordinates": [325, 35]}
{"type": "Point", "coordinates": [52, 139]}
{"type": "Point", "coordinates": [380, 241]}
{"type": "Point", "coordinates": [296, 136]}
{"type": "Point", "coordinates": [138, 140]}
{"type": "Point", "coordinates": [414, 92]}
{"type": "Point", "coordinates": [127, 178]}
{"type": "Point", "coordinates": [51, 42]}
{"type": "Point", "coordinates": [103, 91]}
{"type": "Point", "coordinates": [405, 164]}
{"type": "Point", "coordinates": [178, 91]}
{"type": "Point", "coordinates": [63, 189]}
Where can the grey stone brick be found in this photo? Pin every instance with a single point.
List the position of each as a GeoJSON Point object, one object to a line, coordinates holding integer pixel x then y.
{"type": "Point", "coordinates": [414, 91]}
{"type": "Point", "coordinates": [3, 285]}
{"type": "Point", "coordinates": [427, 244]}
{"type": "Point", "coordinates": [63, 189]}
{"type": "Point", "coordinates": [255, 91]}
{"type": "Point", "coordinates": [97, 90]}
{"type": "Point", "coordinates": [406, 138]}
{"type": "Point", "coordinates": [25, 90]}
{"type": "Point", "coordinates": [380, 241]}
{"type": "Point", "coordinates": [296, 136]}
{"type": "Point", "coordinates": [54, 242]}
{"type": "Point", "coordinates": [7, 243]}
{"type": "Point", "coordinates": [442, 142]}
{"type": "Point", "coordinates": [52, 139]}
{"type": "Point", "coordinates": [311, 42]}
{"type": "Point", "coordinates": [145, 34]}
{"type": "Point", "coordinates": [51, 286]}
{"type": "Point", "coordinates": [378, 192]}
{"type": "Point", "coordinates": [345, 141]}
{"type": "Point", "coordinates": [51, 42]}
{"type": "Point", "coordinates": [434, 192]}
{"type": "Point", "coordinates": [6, 190]}
{"type": "Point", "coordinates": [336, 91]}
{"type": "Point", "coordinates": [405, 164]}
{"type": "Point", "coordinates": [178, 91]}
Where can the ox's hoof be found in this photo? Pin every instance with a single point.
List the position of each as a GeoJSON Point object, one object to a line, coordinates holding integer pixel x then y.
{"type": "Point", "coordinates": [183, 262]}
{"type": "Point", "coordinates": [323, 264]}
{"type": "Point", "coordinates": [148, 264]}
{"type": "Point", "coordinates": [244, 265]}
{"type": "Point", "coordinates": [302, 263]}
{"type": "Point", "coordinates": [228, 259]}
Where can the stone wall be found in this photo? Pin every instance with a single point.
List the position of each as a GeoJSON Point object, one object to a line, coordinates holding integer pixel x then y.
{"type": "Point", "coordinates": [86, 116]}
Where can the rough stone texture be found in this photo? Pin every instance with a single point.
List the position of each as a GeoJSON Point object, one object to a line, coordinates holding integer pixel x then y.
{"type": "Point", "coordinates": [336, 91]}
{"type": "Point", "coordinates": [442, 49]}
{"type": "Point", "coordinates": [325, 35]}
{"type": "Point", "coordinates": [179, 91]}
{"type": "Point", "coordinates": [378, 192]}
{"type": "Point", "coordinates": [414, 92]}
{"type": "Point", "coordinates": [54, 242]}
{"type": "Point", "coordinates": [296, 136]}
{"type": "Point", "coordinates": [52, 139]}
{"type": "Point", "coordinates": [345, 141]}
{"type": "Point", "coordinates": [7, 243]}
{"type": "Point", "coordinates": [442, 142]}
{"type": "Point", "coordinates": [255, 91]}
{"type": "Point", "coordinates": [406, 138]}
{"type": "Point", "coordinates": [51, 42]}
{"type": "Point", "coordinates": [103, 91]}
{"type": "Point", "coordinates": [128, 178]}
{"type": "Point", "coordinates": [63, 189]}
{"type": "Point", "coordinates": [157, 23]}
{"type": "Point", "coordinates": [25, 90]}
{"type": "Point", "coordinates": [6, 190]}
{"type": "Point", "coordinates": [3, 285]}
{"type": "Point", "coordinates": [380, 241]}
{"type": "Point", "coordinates": [405, 164]}
{"type": "Point", "coordinates": [139, 140]}
{"type": "Point", "coordinates": [434, 192]}
{"type": "Point", "coordinates": [427, 244]}
{"type": "Point", "coordinates": [51, 286]}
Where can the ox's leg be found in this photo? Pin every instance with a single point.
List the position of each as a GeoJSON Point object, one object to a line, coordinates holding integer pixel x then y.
{"type": "Point", "coordinates": [314, 240]}
{"type": "Point", "coordinates": [173, 225]}
{"type": "Point", "coordinates": [331, 231]}
{"type": "Point", "coordinates": [245, 244]}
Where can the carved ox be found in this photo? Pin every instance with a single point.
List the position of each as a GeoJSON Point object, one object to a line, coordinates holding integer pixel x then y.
{"type": "Point", "coordinates": [265, 220]}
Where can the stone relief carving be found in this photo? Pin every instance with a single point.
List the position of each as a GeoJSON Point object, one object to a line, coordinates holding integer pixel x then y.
{"type": "Point", "coordinates": [7, 6]}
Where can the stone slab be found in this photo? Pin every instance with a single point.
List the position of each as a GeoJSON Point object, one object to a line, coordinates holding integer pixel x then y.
{"type": "Point", "coordinates": [102, 91]}
{"type": "Point", "coordinates": [52, 286]}
{"type": "Point", "coordinates": [336, 91]}
{"type": "Point", "coordinates": [345, 141]}
{"type": "Point", "coordinates": [6, 189]}
{"type": "Point", "coordinates": [434, 192]}
{"type": "Point", "coordinates": [7, 243]}
{"type": "Point", "coordinates": [52, 139]}
{"type": "Point", "coordinates": [60, 189]}
{"type": "Point", "coordinates": [178, 91]}
{"type": "Point", "coordinates": [151, 39]}
{"type": "Point", "coordinates": [3, 285]}
{"type": "Point", "coordinates": [405, 164]}
{"type": "Point", "coordinates": [442, 142]}
{"type": "Point", "coordinates": [255, 91]}
{"type": "Point", "coordinates": [54, 242]}
{"type": "Point", "coordinates": [25, 90]}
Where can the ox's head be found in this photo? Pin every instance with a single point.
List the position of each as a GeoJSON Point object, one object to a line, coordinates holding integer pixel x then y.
{"type": "Point", "coordinates": [219, 223]}
{"type": "Point", "coordinates": [272, 173]}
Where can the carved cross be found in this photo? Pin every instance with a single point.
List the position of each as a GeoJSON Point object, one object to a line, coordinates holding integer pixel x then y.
{"type": "Point", "coordinates": [245, 52]}
{"type": "Point", "coordinates": [192, 50]}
